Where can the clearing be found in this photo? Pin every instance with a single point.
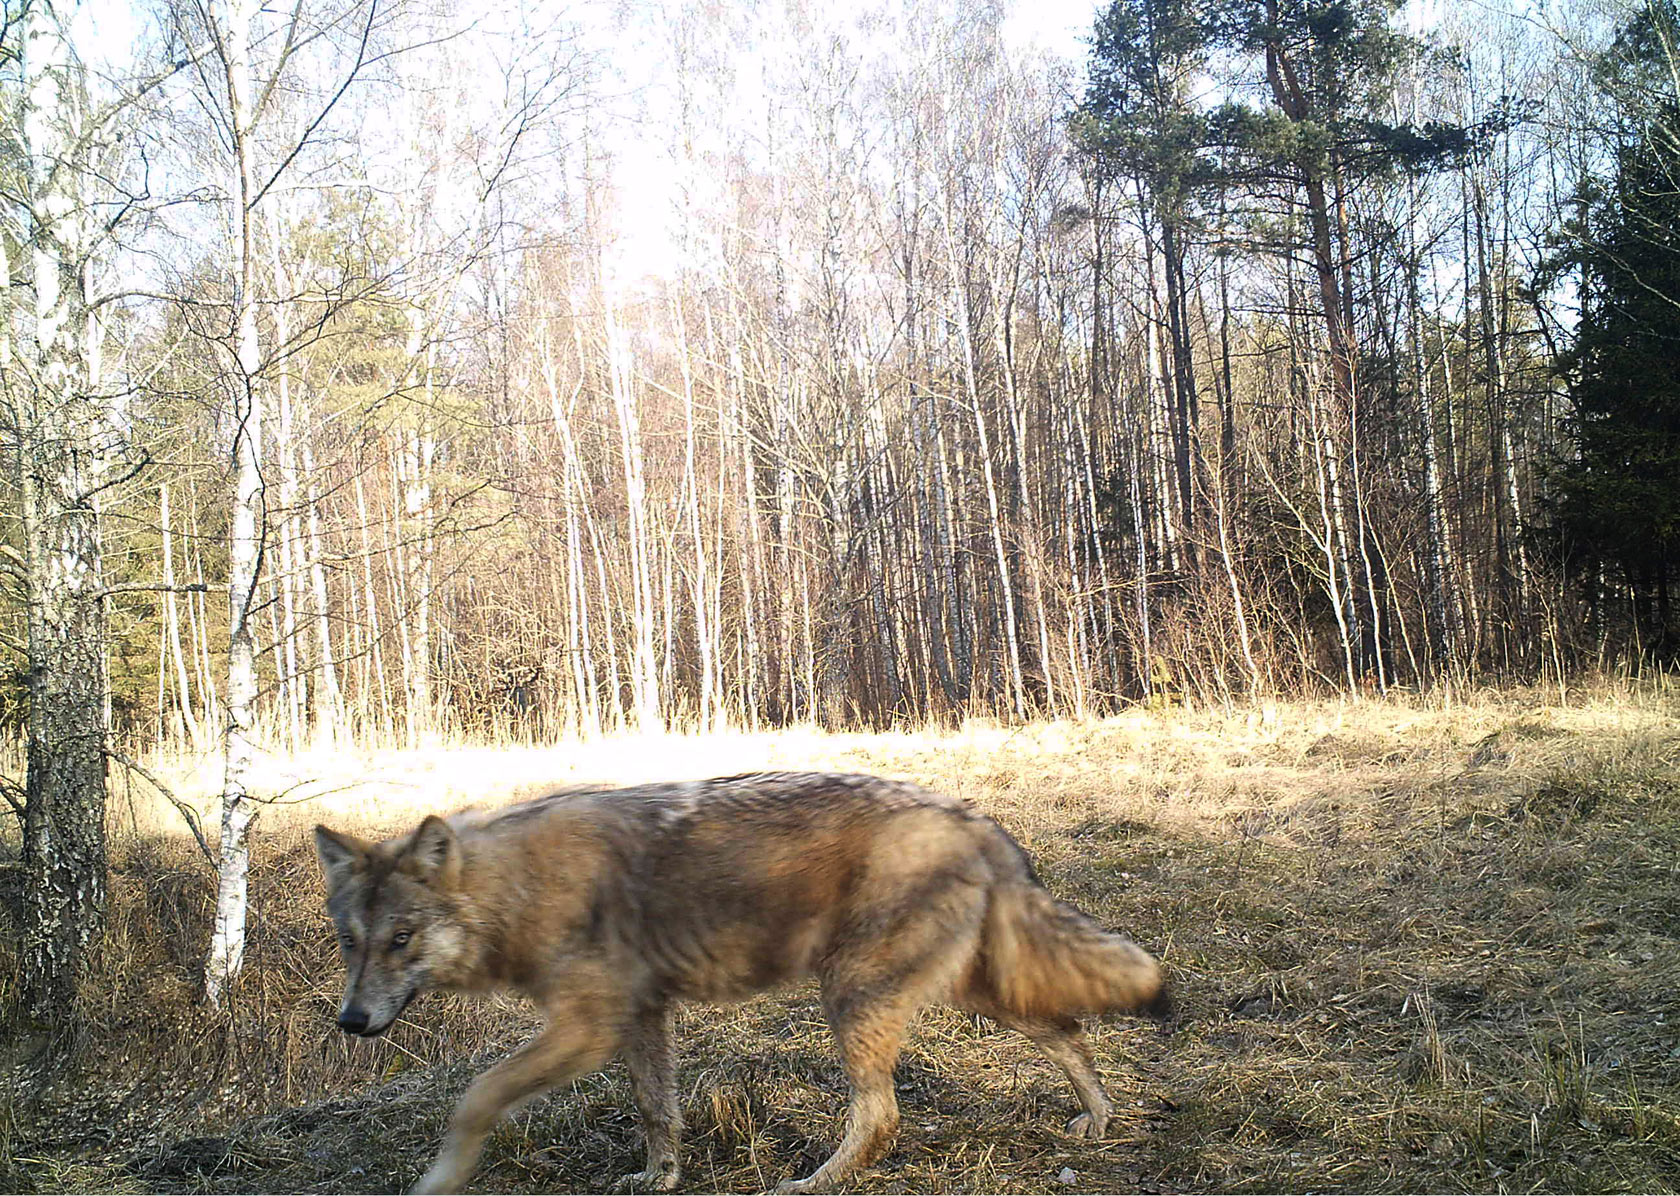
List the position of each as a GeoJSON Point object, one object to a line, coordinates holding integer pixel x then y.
{"type": "Point", "coordinates": [1415, 945]}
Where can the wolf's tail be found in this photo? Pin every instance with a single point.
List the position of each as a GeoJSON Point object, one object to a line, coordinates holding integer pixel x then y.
{"type": "Point", "coordinates": [1043, 958]}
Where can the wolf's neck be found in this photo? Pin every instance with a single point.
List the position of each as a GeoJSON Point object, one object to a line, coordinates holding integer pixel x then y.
{"type": "Point", "coordinates": [527, 903]}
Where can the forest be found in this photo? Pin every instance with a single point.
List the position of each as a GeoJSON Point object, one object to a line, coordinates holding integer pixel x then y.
{"type": "Point", "coordinates": [388, 374]}
{"type": "Point", "coordinates": [1271, 349]}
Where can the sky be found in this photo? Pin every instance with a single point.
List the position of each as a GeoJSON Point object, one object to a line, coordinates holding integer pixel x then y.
{"type": "Point", "coordinates": [104, 30]}
{"type": "Point", "coordinates": [630, 37]}
{"type": "Point", "coordinates": [644, 170]}
{"type": "Point", "coordinates": [1054, 25]}
{"type": "Point", "coordinates": [644, 173]}
{"type": "Point", "coordinates": [638, 106]}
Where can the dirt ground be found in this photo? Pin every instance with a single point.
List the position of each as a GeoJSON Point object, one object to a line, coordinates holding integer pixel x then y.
{"type": "Point", "coordinates": [1416, 946]}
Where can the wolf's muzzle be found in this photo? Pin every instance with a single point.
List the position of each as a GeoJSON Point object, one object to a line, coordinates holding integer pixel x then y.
{"type": "Point", "coordinates": [353, 1020]}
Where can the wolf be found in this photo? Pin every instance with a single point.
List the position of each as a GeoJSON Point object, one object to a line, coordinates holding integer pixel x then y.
{"type": "Point", "coordinates": [609, 907]}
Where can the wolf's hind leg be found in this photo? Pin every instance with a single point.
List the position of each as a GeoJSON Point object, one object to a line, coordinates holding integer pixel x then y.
{"type": "Point", "coordinates": [576, 1041]}
{"type": "Point", "coordinates": [651, 1054]}
{"type": "Point", "coordinates": [870, 993]}
{"type": "Point", "coordinates": [1062, 1041]}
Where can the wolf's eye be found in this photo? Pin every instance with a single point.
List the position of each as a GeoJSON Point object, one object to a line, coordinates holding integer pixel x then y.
{"type": "Point", "coordinates": [346, 941]}
{"type": "Point", "coordinates": [400, 939]}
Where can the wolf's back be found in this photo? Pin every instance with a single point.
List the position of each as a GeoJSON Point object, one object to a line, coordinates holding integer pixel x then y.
{"type": "Point", "coordinates": [1043, 958]}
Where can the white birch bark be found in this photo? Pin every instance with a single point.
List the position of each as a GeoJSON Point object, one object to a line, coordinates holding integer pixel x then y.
{"type": "Point", "coordinates": [709, 701]}
{"type": "Point", "coordinates": [49, 368]}
{"type": "Point", "coordinates": [373, 678]}
{"type": "Point", "coordinates": [227, 942]}
{"type": "Point", "coordinates": [329, 707]}
{"type": "Point", "coordinates": [644, 676]}
{"type": "Point", "coordinates": [172, 628]}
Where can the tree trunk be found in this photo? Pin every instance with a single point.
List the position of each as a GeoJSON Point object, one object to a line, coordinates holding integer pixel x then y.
{"type": "Point", "coordinates": [329, 705]}
{"type": "Point", "coordinates": [1437, 552]}
{"type": "Point", "coordinates": [708, 701]}
{"type": "Point", "coordinates": [1000, 556]}
{"type": "Point", "coordinates": [1186, 408]}
{"type": "Point", "coordinates": [1512, 540]}
{"type": "Point", "coordinates": [644, 677]}
{"type": "Point", "coordinates": [172, 628]}
{"type": "Point", "coordinates": [63, 436]}
{"type": "Point", "coordinates": [289, 660]}
{"type": "Point", "coordinates": [245, 536]}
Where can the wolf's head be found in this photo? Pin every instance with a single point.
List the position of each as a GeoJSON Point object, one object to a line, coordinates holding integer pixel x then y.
{"type": "Point", "coordinates": [395, 905]}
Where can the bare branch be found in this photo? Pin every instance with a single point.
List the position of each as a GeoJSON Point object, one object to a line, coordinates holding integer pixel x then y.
{"type": "Point", "coordinates": [326, 109]}
{"type": "Point", "coordinates": [8, 788]}
{"type": "Point", "coordinates": [187, 813]}
{"type": "Point", "coordinates": [150, 587]}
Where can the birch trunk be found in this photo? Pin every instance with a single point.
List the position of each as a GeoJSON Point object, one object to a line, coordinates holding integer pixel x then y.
{"type": "Point", "coordinates": [63, 436]}
{"type": "Point", "coordinates": [227, 941]}
{"type": "Point", "coordinates": [172, 628]}
{"type": "Point", "coordinates": [329, 706]}
{"type": "Point", "coordinates": [376, 693]}
{"type": "Point", "coordinates": [1332, 540]}
{"type": "Point", "coordinates": [1224, 486]}
{"type": "Point", "coordinates": [1093, 527]}
{"type": "Point", "coordinates": [294, 684]}
{"type": "Point", "coordinates": [644, 677]}
{"type": "Point", "coordinates": [1000, 556]}
{"type": "Point", "coordinates": [198, 629]}
{"type": "Point", "coordinates": [1143, 666]}
{"type": "Point", "coordinates": [1030, 535]}
{"type": "Point", "coordinates": [708, 700]}
{"type": "Point", "coordinates": [1079, 618]}
{"type": "Point", "coordinates": [416, 532]}
{"type": "Point", "coordinates": [1513, 542]}
{"type": "Point", "coordinates": [1437, 553]}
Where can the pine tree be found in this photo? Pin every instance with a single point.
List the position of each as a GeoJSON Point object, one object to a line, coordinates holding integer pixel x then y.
{"type": "Point", "coordinates": [1617, 507]}
{"type": "Point", "coordinates": [1138, 123]}
{"type": "Point", "coordinates": [1330, 69]}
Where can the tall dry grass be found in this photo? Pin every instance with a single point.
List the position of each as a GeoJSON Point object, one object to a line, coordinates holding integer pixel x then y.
{"type": "Point", "coordinates": [1418, 945]}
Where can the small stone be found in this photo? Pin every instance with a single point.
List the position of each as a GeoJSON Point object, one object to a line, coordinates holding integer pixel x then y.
{"type": "Point", "coordinates": [1066, 1175]}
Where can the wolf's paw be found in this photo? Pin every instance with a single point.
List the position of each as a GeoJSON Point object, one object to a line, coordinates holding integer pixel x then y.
{"type": "Point", "coordinates": [800, 1185]}
{"type": "Point", "coordinates": [1086, 1126]}
{"type": "Point", "coordinates": [664, 1179]}
{"type": "Point", "coordinates": [442, 1177]}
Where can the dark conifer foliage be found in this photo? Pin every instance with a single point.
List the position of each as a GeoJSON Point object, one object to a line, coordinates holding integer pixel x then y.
{"type": "Point", "coordinates": [1617, 505]}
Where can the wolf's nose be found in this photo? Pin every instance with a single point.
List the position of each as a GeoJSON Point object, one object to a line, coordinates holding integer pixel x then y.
{"type": "Point", "coordinates": [353, 1020]}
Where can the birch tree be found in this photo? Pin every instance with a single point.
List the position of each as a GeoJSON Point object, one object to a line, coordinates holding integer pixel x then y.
{"type": "Point", "coordinates": [65, 428]}
{"type": "Point", "coordinates": [56, 418]}
{"type": "Point", "coordinates": [229, 26]}
{"type": "Point", "coordinates": [242, 99]}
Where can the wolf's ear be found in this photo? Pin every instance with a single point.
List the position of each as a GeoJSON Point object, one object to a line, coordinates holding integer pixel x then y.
{"type": "Point", "coordinates": [435, 853]}
{"type": "Point", "coordinates": [341, 855]}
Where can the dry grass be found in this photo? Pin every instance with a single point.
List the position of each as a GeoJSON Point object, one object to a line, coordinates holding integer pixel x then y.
{"type": "Point", "coordinates": [1416, 948]}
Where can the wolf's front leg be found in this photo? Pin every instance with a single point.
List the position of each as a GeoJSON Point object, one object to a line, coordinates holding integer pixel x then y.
{"type": "Point", "coordinates": [651, 1054]}
{"type": "Point", "coordinates": [576, 1041]}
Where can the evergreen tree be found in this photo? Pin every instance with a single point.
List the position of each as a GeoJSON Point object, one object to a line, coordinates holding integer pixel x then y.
{"type": "Point", "coordinates": [1137, 120]}
{"type": "Point", "coordinates": [1138, 124]}
{"type": "Point", "coordinates": [1617, 507]}
{"type": "Point", "coordinates": [1330, 70]}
